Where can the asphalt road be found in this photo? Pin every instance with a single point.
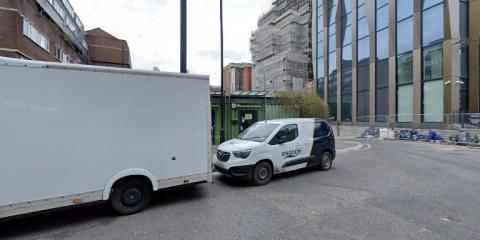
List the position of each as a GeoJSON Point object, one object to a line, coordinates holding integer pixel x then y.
{"type": "Point", "coordinates": [392, 190]}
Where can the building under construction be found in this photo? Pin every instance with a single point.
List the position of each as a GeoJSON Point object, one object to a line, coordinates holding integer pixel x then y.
{"type": "Point", "coordinates": [281, 47]}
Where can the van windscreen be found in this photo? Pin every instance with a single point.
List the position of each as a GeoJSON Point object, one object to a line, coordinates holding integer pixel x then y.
{"type": "Point", "coordinates": [258, 132]}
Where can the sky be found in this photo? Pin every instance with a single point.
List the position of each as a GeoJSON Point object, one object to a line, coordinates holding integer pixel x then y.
{"type": "Point", "coordinates": [152, 30]}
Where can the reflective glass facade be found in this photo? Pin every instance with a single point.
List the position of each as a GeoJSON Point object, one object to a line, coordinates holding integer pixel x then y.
{"type": "Point", "coordinates": [320, 43]}
{"type": "Point", "coordinates": [363, 61]}
{"type": "Point", "coordinates": [404, 95]}
{"type": "Point", "coordinates": [332, 58]}
{"type": "Point", "coordinates": [432, 61]}
{"type": "Point", "coordinates": [383, 42]}
{"type": "Point", "coordinates": [398, 58]}
{"type": "Point", "coordinates": [346, 81]}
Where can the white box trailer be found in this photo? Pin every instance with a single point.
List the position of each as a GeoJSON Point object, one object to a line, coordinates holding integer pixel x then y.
{"type": "Point", "coordinates": [75, 134]}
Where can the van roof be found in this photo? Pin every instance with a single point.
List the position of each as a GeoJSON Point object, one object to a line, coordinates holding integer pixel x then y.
{"type": "Point", "coordinates": [292, 120]}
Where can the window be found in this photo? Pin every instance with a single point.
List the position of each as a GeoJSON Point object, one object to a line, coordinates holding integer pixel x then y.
{"type": "Point", "coordinates": [433, 62]}
{"type": "Point", "coordinates": [33, 34]}
{"type": "Point", "coordinates": [382, 74]}
{"type": "Point", "coordinates": [464, 61]}
{"type": "Point", "coordinates": [347, 57]}
{"type": "Point", "coordinates": [347, 19]}
{"type": "Point", "coordinates": [382, 17]}
{"type": "Point", "coordinates": [381, 104]}
{"type": "Point", "coordinates": [347, 5]}
{"type": "Point", "coordinates": [361, 10]}
{"type": "Point", "coordinates": [332, 4]}
{"type": "Point", "coordinates": [332, 94]}
{"type": "Point", "coordinates": [347, 35]}
{"type": "Point", "coordinates": [362, 28]}
{"type": "Point", "coordinates": [321, 87]}
{"type": "Point", "coordinates": [346, 95]}
{"type": "Point", "coordinates": [320, 68]}
{"type": "Point", "coordinates": [321, 130]}
{"type": "Point", "coordinates": [382, 44]}
{"type": "Point", "coordinates": [346, 107]}
{"type": "Point", "coordinates": [405, 69]}
{"type": "Point", "coordinates": [347, 81]}
{"type": "Point", "coordinates": [464, 79]}
{"type": "Point", "coordinates": [320, 49]}
{"type": "Point", "coordinates": [290, 131]}
{"type": "Point", "coordinates": [363, 93]}
{"type": "Point", "coordinates": [432, 25]}
{"type": "Point", "coordinates": [405, 36]}
{"type": "Point", "coordinates": [364, 51]}
{"type": "Point", "coordinates": [405, 103]}
{"type": "Point", "coordinates": [332, 40]}
{"type": "Point", "coordinates": [464, 23]}
{"type": "Point", "coordinates": [428, 3]}
{"type": "Point", "coordinates": [433, 101]}
{"type": "Point", "coordinates": [59, 54]}
{"type": "Point", "coordinates": [363, 107]}
{"type": "Point", "coordinates": [404, 9]}
{"type": "Point", "coordinates": [332, 63]}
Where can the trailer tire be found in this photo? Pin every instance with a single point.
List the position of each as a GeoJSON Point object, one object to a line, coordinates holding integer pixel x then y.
{"type": "Point", "coordinates": [130, 196]}
{"type": "Point", "coordinates": [262, 173]}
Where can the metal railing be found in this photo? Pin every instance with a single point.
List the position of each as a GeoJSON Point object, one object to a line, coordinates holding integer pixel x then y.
{"type": "Point", "coordinates": [455, 121]}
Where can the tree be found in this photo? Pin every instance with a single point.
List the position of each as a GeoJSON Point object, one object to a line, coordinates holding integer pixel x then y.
{"type": "Point", "coordinates": [309, 105]}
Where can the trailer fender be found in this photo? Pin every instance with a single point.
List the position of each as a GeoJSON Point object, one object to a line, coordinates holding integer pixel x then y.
{"type": "Point", "coordinates": [127, 173]}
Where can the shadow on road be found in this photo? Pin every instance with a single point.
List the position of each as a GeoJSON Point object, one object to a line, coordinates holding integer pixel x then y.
{"type": "Point", "coordinates": [100, 213]}
{"type": "Point", "coordinates": [288, 175]}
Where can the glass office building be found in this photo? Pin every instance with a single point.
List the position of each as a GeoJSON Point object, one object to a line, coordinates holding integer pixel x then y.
{"type": "Point", "coordinates": [411, 61]}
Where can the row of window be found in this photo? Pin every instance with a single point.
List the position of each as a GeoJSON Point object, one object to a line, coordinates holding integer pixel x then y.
{"type": "Point", "coordinates": [61, 56]}
{"type": "Point", "coordinates": [41, 40]}
{"type": "Point", "coordinates": [36, 36]}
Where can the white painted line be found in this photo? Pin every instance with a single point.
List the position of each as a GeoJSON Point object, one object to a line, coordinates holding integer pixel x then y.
{"type": "Point", "coordinates": [357, 146]}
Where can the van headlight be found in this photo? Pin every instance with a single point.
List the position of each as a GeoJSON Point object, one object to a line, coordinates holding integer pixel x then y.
{"type": "Point", "coordinates": [242, 154]}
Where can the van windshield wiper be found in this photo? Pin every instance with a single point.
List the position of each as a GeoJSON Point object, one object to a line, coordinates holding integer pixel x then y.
{"type": "Point", "coordinates": [252, 138]}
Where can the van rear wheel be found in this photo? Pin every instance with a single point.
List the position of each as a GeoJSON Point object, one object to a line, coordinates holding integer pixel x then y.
{"type": "Point", "coordinates": [262, 173]}
{"type": "Point", "coordinates": [129, 197]}
{"type": "Point", "coordinates": [326, 161]}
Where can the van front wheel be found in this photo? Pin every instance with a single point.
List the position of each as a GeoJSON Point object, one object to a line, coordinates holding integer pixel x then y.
{"type": "Point", "coordinates": [262, 173]}
{"type": "Point", "coordinates": [129, 197]}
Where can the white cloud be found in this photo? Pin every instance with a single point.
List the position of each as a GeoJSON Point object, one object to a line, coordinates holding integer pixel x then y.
{"type": "Point", "coordinates": [152, 29]}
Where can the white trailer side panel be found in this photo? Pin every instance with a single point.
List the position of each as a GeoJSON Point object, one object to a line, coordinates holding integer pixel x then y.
{"type": "Point", "coordinates": [69, 130]}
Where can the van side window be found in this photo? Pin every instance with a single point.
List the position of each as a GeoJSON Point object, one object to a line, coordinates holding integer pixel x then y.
{"type": "Point", "coordinates": [290, 131]}
{"type": "Point", "coordinates": [321, 129]}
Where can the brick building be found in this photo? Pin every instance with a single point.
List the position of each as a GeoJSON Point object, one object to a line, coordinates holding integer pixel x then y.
{"type": "Point", "coordinates": [107, 50]}
{"type": "Point", "coordinates": [237, 77]}
{"type": "Point", "coordinates": [50, 30]}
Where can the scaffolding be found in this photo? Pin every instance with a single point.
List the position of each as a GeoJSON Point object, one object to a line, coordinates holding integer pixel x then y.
{"type": "Point", "coordinates": [281, 47]}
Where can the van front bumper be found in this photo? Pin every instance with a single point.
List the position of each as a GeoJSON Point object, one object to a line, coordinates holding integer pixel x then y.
{"type": "Point", "coordinates": [239, 172]}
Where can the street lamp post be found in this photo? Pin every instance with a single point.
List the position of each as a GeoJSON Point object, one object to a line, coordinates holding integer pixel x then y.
{"type": "Point", "coordinates": [222, 96]}
{"type": "Point", "coordinates": [183, 36]}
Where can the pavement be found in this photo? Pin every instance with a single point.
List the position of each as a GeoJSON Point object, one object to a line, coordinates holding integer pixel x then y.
{"type": "Point", "coordinates": [383, 190]}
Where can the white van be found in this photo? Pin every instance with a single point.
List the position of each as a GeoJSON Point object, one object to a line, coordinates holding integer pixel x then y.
{"type": "Point", "coordinates": [277, 146]}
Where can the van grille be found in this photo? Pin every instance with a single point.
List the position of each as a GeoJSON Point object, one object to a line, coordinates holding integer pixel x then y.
{"type": "Point", "coordinates": [223, 156]}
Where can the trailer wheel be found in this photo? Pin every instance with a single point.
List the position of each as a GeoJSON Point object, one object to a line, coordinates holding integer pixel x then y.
{"type": "Point", "coordinates": [326, 161]}
{"type": "Point", "coordinates": [130, 196]}
{"type": "Point", "coordinates": [262, 173]}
